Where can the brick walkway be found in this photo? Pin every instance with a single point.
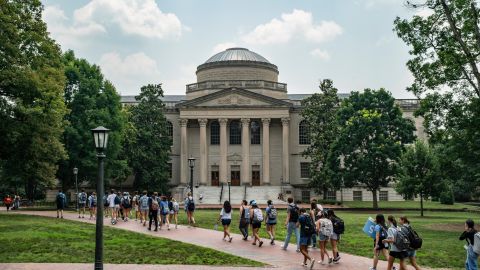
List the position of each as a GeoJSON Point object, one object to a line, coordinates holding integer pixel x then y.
{"type": "Point", "coordinates": [271, 255]}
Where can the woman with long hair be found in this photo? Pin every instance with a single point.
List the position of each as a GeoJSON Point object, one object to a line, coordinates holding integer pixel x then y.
{"type": "Point", "coordinates": [395, 252]}
{"type": "Point", "coordinates": [378, 246]}
{"type": "Point", "coordinates": [325, 231]}
{"type": "Point", "coordinates": [244, 219]}
{"type": "Point", "coordinates": [412, 254]}
{"type": "Point", "coordinates": [334, 238]}
{"type": "Point", "coordinates": [256, 216]}
{"type": "Point", "coordinates": [226, 218]}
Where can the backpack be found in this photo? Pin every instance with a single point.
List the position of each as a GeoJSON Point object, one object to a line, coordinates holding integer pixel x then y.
{"type": "Point", "coordinates": [401, 240]}
{"type": "Point", "coordinates": [338, 225]}
{"type": "Point", "coordinates": [246, 213]}
{"type": "Point", "coordinates": [272, 213]}
{"type": "Point", "coordinates": [126, 203]}
{"type": "Point", "coordinates": [257, 215]}
{"type": "Point", "coordinates": [415, 240]}
{"type": "Point", "coordinates": [155, 204]}
{"type": "Point", "coordinates": [309, 226]}
{"type": "Point", "coordinates": [170, 205]}
{"type": "Point", "coordinates": [60, 198]}
{"type": "Point", "coordinates": [190, 205]}
{"type": "Point", "coordinates": [175, 207]}
{"type": "Point", "coordinates": [165, 209]}
{"type": "Point", "coordinates": [144, 202]}
{"type": "Point", "coordinates": [476, 243]}
{"type": "Point", "coordinates": [83, 197]}
{"type": "Point", "coordinates": [326, 227]}
{"type": "Point", "coordinates": [116, 200]}
{"type": "Point", "coordinates": [293, 213]}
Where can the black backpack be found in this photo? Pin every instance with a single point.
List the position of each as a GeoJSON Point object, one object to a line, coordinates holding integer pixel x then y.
{"type": "Point", "coordinates": [415, 240]}
{"type": "Point", "coordinates": [191, 205]}
{"type": "Point", "coordinates": [309, 226]}
{"type": "Point", "coordinates": [116, 200]}
{"type": "Point", "coordinates": [293, 213]}
{"type": "Point", "coordinates": [338, 225]}
{"type": "Point", "coordinates": [126, 202]}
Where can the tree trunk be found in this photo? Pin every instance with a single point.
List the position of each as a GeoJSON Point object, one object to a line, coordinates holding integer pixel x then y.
{"type": "Point", "coordinates": [421, 205]}
{"type": "Point", "coordinates": [375, 200]}
{"type": "Point", "coordinates": [29, 191]}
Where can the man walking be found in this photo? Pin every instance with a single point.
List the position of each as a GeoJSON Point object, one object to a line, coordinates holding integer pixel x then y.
{"type": "Point", "coordinates": [291, 224]}
{"type": "Point", "coordinates": [144, 208]}
{"type": "Point", "coordinates": [61, 203]}
{"type": "Point", "coordinates": [153, 211]}
{"type": "Point", "coordinates": [82, 203]}
{"type": "Point", "coordinates": [111, 206]}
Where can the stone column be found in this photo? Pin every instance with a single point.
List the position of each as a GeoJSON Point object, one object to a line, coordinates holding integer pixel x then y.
{"type": "Point", "coordinates": [285, 150]}
{"type": "Point", "coordinates": [203, 151]}
{"type": "Point", "coordinates": [245, 173]}
{"type": "Point", "coordinates": [266, 151]}
{"type": "Point", "coordinates": [183, 150]}
{"type": "Point", "coordinates": [223, 150]}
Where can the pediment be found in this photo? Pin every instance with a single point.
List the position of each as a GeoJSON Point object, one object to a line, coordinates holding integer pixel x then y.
{"type": "Point", "coordinates": [234, 97]}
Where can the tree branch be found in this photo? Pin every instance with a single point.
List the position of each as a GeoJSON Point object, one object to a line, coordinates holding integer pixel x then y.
{"type": "Point", "coordinates": [477, 30]}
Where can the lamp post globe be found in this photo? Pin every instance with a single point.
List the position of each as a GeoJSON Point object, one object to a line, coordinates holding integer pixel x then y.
{"type": "Point", "coordinates": [100, 138]}
{"type": "Point", "coordinates": [75, 173]}
{"type": "Point", "coordinates": [191, 164]}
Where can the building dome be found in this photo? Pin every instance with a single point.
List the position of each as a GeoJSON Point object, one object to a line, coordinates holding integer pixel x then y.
{"type": "Point", "coordinates": [237, 54]}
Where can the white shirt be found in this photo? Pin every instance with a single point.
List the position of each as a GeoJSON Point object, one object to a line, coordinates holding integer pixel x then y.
{"type": "Point", "coordinates": [225, 215]}
{"type": "Point", "coordinates": [111, 200]}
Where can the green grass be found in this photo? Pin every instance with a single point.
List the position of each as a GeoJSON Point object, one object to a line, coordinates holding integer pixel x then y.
{"type": "Point", "coordinates": [439, 230]}
{"type": "Point", "coordinates": [409, 204]}
{"type": "Point", "coordinates": [48, 240]}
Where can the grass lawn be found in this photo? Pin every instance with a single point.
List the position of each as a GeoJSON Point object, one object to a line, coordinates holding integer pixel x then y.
{"type": "Point", "coordinates": [42, 240]}
{"type": "Point", "coordinates": [439, 230]}
{"type": "Point", "coordinates": [409, 204]}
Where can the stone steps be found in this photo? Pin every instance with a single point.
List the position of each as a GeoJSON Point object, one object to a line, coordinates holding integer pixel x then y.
{"type": "Point", "coordinates": [211, 194]}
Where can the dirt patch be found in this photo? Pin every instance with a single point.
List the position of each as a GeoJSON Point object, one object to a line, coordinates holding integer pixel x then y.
{"type": "Point", "coordinates": [449, 227]}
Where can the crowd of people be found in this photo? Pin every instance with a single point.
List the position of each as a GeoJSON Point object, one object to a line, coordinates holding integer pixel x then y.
{"type": "Point", "coordinates": [12, 202]}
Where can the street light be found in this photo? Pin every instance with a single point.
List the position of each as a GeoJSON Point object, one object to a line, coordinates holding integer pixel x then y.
{"type": "Point", "coordinates": [100, 137]}
{"type": "Point", "coordinates": [229, 184]}
{"type": "Point", "coordinates": [75, 172]}
{"type": "Point", "coordinates": [191, 164]}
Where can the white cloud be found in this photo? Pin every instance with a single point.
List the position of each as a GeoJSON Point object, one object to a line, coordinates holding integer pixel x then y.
{"type": "Point", "coordinates": [176, 85]}
{"type": "Point", "coordinates": [128, 74]}
{"type": "Point", "coordinates": [321, 54]}
{"type": "Point", "coordinates": [374, 3]}
{"type": "Point", "coordinates": [135, 17]}
{"type": "Point", "coordinates": [424, 12]}
{"type": "Point", "coordinates": [299, 23]}
{"type": "Point", "coordinates": [222, 47]}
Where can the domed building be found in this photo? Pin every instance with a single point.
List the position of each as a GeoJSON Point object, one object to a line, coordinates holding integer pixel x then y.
{"type": "Point", "coordinates": [245, 130]}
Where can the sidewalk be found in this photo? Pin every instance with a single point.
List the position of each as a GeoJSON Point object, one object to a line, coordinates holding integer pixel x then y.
{"type": "Point", "coordinates": [274, 256]}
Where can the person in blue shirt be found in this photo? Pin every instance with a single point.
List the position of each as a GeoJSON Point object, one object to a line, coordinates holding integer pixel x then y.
{"type": "Point", "coordinates": [271, 221]}
{"type": "Point", "coordinates": [61, 203]}
{"type": "Point", "coordinates": [378, 246]}
{"type": "Point", "coordinates": [304, 220]}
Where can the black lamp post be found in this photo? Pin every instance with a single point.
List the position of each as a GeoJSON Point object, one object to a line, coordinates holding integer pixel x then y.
{"type": "Point", "coordinates": [75, 173]}
{"type": "Point", "coordinates": [100, 136]}
{"type": "Point", "coordinates": [191, 164]}
{"type": "Point", "coordinates": [229, 184]}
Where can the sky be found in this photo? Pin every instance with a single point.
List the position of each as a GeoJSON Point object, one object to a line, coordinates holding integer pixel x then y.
{"type": "Point", "coordinates": [137, 42]}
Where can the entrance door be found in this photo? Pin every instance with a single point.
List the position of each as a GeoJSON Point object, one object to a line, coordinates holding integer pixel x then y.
{"type": "Point", "coordinates": [215, 178]}
{"type": "Point", "coordinates": [235, 178]}
{"type": "Point", "coordinates": [255, 178]}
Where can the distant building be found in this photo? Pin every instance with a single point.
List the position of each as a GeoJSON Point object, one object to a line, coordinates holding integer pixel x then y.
{"type": "Point", "coordinates": [243, 127]}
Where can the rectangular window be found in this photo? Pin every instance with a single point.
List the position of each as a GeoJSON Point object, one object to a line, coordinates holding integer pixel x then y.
{"type": "Point", "coordinates": [331, 195]}
{"type": "Point", "coordinates": [170, 171]}
{"type": "Point", "coordinates": [383, 195]}
{"type": "Point", "coordinates": [304, 169]}
{"type": "Point", "coordinates": [255, 175]}
{"type": "Point", "coordinates": [357, 195]}
{"type": "Point", "coordinates": [305, 196]}
{"type": "Point", "coordinates": [215, 176]}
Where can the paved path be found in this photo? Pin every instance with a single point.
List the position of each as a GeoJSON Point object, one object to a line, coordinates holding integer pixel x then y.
{"type": "Point", "coordinates": [274, 256]}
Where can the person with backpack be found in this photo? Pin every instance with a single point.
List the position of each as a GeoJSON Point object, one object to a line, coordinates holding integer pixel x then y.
{"type": "Point", "coordinates": [135, 205]}
{"type": "Point", "coordinates": [412, 253]}
{"type": "Point", "coordinates": [395, 238]}
{"type": "Point", "coordinates": [471, 237]}
{"type": "Point", "coordinates": [111, 206]}
{"type": "Point", "coordinates": [174, 211]}
{"type": "Point", "coordinates": [190, 209]}
{"type": "Point", "coordinates": [325, 231]}
{"type": "Point", "coordinates": [153, 206]}
{"type": "Point", "coordinates": [82, 203]}
{"type": "Point", "coordinates": [291, 224]}
{"type": "Point", "coordinates": [118, 205]}
{"type": "Point", "coordinates": [144, 208]}
{"type": "Point", "coordinates": [92, 205]}
{"type": "Point", "coordinates": [226, 218]}
{"type": "Point", "coordinates": [61, 203]}
{"type": "Point", "coordinates": [271, 221]}
{"type": "Point", "coordinates": [7, 201]}
{"type": "Point", "coordinates": [244, 219]}
{"type": "Point", "coordinates": [126, 205]}
{"type": "Point", "coordinates": [338, 230]}
{"type": "Point", "coordinates": [307, 228]}
{"type": "Point", "coordinates": [313, 211]}
{"type": "Point", "coordinates": [379, 247]}
{"type": "Point", "coordinates": [164, 211]}
{"type": "Point", "coordinates": [256, 217]}
{"type": "Point", "coordinates": [106, 204]}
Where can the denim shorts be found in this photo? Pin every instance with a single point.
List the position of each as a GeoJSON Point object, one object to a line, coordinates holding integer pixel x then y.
{"type": "Point", "coordinates": [335, 236]}
{"type": "Point", "coordinates": [226, 222]}
{"type": "Point", "coordinates": [322, 237]}
{"type": "Point", "coordinates": [412, 253]}
{"type": "Point", "coordinates": [305, 240]}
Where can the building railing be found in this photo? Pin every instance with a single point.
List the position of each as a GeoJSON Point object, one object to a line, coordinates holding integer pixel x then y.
{"type": "Point", "coordinates": [408, 103]}
{"type": "Point", "coordinates": [252, 84]}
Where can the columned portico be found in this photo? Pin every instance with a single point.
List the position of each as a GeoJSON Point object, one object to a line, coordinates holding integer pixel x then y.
{"type": "Point", "coordinates": [285, 150]}
{"type": "Point", "coordinates": [266, 151]}
{"type": "Point", "coordinates": [183, 150]}
{"type": "Point", "coordinates": [203, 151]}
{"type": "Point", "coordinates": [223, 149]}
{"type": "Point", "coordinates": [245, 173]}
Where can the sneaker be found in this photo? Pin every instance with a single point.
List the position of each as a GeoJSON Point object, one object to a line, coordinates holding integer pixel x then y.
{"type": "Point", "coordinates": [254, 243]}
{"type": "Point", "coordinates": [230, 240]}
{"type": "Point", "coordinates": [336, 259]}
{"type": "Point", "coordinates": [156, 230]}
{"type": "Point", "coordinates": [330, 260]}
{"type": "Point", "coordinates": [304, 264]}
{"type": "Point", "coordinates": [373, 268]}
{"type": "Point", "coordinates": [394, 268]}
{"type": "Point", "coordinates": [260, 244]}
{"type": "Point", "coordinates": [312, 263]}
{"type": "Point", "coordinates": [284, 248]}
{"type": "Point", "coordinates": [272, 242]}
{"type": "Point", "coordinates": [298, 250]}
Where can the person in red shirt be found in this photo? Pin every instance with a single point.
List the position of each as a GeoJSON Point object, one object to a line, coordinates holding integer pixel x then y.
{"type": "Point", "coordinates": [8, 202]}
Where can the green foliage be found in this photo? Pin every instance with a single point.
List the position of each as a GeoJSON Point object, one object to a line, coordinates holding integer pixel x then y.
{"type": "Point", "coordinates": [31, 98]}
{"type": "Point", "coordinates": [148, 144]}
{"type": "Point", "coordinates": [320, 113]}
{"type": "Point", "coordinates": [446, 198]}
{"type": "Point", "coordinates": [370, 141]}
{"type": "Point", "coordinates": [92, 102]}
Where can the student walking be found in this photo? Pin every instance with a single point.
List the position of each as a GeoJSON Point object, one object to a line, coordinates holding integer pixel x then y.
{"type": "Point", "coordinates": [61, 203]}
{"type": "Point", "coordinates": [136, 205]}
{"type": "Point", "coordinates": [111, 205]}
{"type": "Point", "coordinates": [226, 218]}
{"type": "Point", "coordinates": [313, 211]}
{"type": "Point", "coordinates": [379, 247]}
{"type": "Point", "coordinates": [174, 211]}
{"type": "Point", "coordinates": [338, 230]}
{"type": "Point", "coordinates": [256, 217]}
{"type": "Point", "coordinates": [164, 211]}
{"type": "Point", "coordinates": [307, 228]}
{"type": "Point", "coordinates": [154, 206]}
{"type": "Point", "coordinates": [190, 209]}
{"type": "Point", "coordinates": [395, 251]}
{"type": "Point", "coordinates": [325, 231]}
{"type": "Point", "coordinates": [244, 219]}
{"type": "Point", "coordinates": [271, 221]}
{"type": "Point", "coordinates": [412, 253]}
{"type": "Point", "coordinates": [144, 208]}
{"type": "Point", "coordinates": [8, 202]}
{"type": "Point", "coordinates": [118, 205]}
{"type": "Point", "coordinates": [291, 224]}
{"type": "Point", "coordinates": [126, 205]}
{"type": "Point", "coordinates": [468, 235]}
{"type": "Point", "coordinates": [106, 204]}
{"type": "Point", "coordinates": [82, 203]}
{"type": "Point", "coordinates": [92, 205]}
{"type": "Point", "coordinates": [16, 202]}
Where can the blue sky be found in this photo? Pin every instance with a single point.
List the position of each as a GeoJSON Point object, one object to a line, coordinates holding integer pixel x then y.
{"type": "Point", "coordinates": [137, 42]}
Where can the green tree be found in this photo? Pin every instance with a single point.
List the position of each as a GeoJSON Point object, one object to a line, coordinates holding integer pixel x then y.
{"type": "Point", "coordinates": [92, 101]}
{"type": "Point", "coordinates": [445, 47]}
{"type": "Point", "coordinates": [419, 173]}
{"type": "Point", "coordinates": [148, 144]}
{"type": "Point", "coordinates": [31, 98]}
{"type": "Point", "coordinates": [370, 141]}
{"type": "Point", "coordinates": [319, 110]}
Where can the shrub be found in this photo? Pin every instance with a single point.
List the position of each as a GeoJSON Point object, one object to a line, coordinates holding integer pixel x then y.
{"type": "Point", "coordinates": [446, 198]}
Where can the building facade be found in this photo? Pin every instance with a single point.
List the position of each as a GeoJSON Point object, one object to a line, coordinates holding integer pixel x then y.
{"type": "Point", "coordinates": [245, 131]}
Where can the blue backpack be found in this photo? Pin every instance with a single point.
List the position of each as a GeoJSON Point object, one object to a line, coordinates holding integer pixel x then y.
{"type": "Point", "coordinates": [164, 207]}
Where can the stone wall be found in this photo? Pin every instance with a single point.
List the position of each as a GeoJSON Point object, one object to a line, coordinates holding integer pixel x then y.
{"type": "Point", "coordinates": [237, 73]}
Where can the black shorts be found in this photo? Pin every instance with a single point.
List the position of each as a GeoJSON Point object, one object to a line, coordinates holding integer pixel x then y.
{"type": "Point", "coordinates": [380, 245]}
{"type": "Point", "coordinates": [399, 254]}
{"type": "Point", "coordinates": [60, 206]}
{"type": "Point", "coordinates": [226, 222]}
{"type": "Point", "coordinates": [256, 225]}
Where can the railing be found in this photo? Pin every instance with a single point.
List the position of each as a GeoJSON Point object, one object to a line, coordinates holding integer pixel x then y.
{"type": "Point", "coordinates": [252, 84]}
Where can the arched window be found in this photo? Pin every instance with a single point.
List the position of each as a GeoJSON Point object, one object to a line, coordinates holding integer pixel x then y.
{"type": "Point", "coordinates": [214, 133]}
{"type": "Point", "coordinates": [254, 132]}
{"type": "Point", "coordinates": [235, 132]}
{"type": "Point", "coordinates": [303, 133]}
{"type": "Point", "coordinates": [169, 129]}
